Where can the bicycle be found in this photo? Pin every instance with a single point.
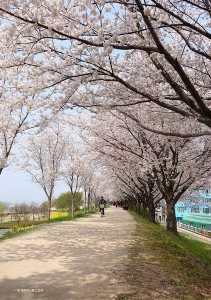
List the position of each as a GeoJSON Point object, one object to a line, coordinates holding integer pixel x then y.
{"type": "Point", "coordinates": [102, 206]}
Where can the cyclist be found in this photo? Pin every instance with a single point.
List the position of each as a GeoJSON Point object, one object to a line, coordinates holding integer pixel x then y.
{"type": "Point", "coordinates": [102, 204]}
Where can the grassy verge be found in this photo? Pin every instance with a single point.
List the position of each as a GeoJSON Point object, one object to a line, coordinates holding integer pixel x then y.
{"type": "Point", "coordinates": [15, 230]}
{"type": "Point", "coordinates": [11, 224]}
{"type": "Point", "coordinates": [166, 266]}
{"type": "Point", "coordinates": [65, 217]}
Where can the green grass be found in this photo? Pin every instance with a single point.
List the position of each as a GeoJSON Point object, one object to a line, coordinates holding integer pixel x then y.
{"type": "Point", "coordinates": [16, 230]}
{"type": "Point", "coordinates": [167, 266]}
{"type": "Point", "coordinates": [23, 223]}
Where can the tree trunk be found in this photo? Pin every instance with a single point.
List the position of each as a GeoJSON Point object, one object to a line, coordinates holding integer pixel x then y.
{"type": "Point", "coordinates": [72, 207]}
{"type": "Point", "coordinates": [85, 201]}
{"type": "Point", "coordinates": [171, 218]}
{"type": "Point", "coordinates": [88, 198]}
{"type": "Point", "coordinates": [49, 209]}
{"type": "Point", "coordinates": [144, 210]}
{"type": "Point", "coordinates": [135, 206]}
{"type": "Point", "coordinates": [151, 212]}
{"type": "Point", "coordinates": [139, 208]}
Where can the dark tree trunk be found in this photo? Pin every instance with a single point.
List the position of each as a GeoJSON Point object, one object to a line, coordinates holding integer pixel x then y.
{"type": "Point", "coordinates": [171, 225]}
{"type": "Point", "coordinates": [133, 206]}
{"type": "Point", "coordinates": [139, 208]}
{"type": "Point", "coordinates": [144, 210]}
{"type": "Point", "coordinates": [151, 212]}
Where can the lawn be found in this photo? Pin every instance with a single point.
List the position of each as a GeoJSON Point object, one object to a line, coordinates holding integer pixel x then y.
{"type": "Point", "coordinates": [166, 266]}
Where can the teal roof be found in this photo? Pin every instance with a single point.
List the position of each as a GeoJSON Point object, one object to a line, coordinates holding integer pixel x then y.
{"type": "Point", "coordinates": [197, 217]}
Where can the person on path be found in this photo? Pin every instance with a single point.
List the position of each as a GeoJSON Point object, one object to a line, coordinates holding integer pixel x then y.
{"type": "Point", "coordinates": [102, 204]}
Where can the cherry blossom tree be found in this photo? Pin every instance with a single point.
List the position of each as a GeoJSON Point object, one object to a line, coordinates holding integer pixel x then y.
{"type": "Point", "coordinates": [145, 161]}
{"type": "Point", "coordinates": [114, 53]}
{"type": "Point", "coordinates": [72, 170]}
{"type": "Point", "coordinates": [19, 112]}
{"type": "Point", "coordinates": [42, 157]}
{"type": "Point", "coordinates": [148, 60]}
{"type": "Point", "coordinates": [118, 151]}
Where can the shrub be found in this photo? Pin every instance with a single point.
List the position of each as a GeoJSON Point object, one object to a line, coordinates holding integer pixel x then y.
{"type": "Point", "coordinates": [59, 214]}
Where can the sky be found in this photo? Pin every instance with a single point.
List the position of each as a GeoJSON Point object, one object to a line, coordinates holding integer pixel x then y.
{"type": "Point", "coordinates": [16, 187]}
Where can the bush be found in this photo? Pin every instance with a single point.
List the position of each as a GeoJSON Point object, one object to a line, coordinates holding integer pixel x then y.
{"type": "Point", "coordinates": [59, 214]}
{"type": "Point", "coordinates": [64, 201]}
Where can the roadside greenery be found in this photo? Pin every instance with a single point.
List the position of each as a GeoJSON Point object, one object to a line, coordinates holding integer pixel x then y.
{"type": "Point", "coordinates": [22, 223]}
{"type": "Point", "coordinates": [65, 200]}
{"type": "Point", "coordinates": [14, 230]}
{"type": "Point", "coordinates": [162, 265]}
{"type": "Point", "coordinates": [64, 216]}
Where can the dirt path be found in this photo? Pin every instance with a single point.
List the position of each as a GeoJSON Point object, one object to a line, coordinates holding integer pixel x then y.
{"type": "Point", "coordinates": [73, 260]}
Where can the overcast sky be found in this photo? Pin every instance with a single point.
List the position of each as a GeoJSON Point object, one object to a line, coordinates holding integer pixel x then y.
{"type": "Point", "coordinates": [16, 187]}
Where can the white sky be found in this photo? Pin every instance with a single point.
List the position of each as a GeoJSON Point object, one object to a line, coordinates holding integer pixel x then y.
{"type": "Point", "coordinates": [16, 187]}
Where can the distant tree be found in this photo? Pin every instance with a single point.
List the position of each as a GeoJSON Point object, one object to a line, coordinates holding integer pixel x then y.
{"type": "Point", "coordinates": [76, 171]}
{"type": "Point", "coordinates": [21, 211]}
{"type": "Point", "coordinates": [43, 208]}
{"type": "Point", "coordinates": [42, 157]}
{"type": "Point", "coordinates": [25, 211]}
{"type": "Point", "coordinates": [65, 201]}
{"type": "Point", "coordinates": [17, 213]}
{"type": "Point", "coordinates": [3, 207]}
{"type": "Point", "coordinates": [35, 210]}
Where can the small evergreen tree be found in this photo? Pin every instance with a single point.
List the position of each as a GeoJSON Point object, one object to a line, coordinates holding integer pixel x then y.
{"type": "Point", "coordinates": [64, 201]}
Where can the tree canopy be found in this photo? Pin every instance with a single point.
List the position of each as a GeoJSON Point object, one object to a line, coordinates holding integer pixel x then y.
{"type": "Point", "coordinates": [129, 78]}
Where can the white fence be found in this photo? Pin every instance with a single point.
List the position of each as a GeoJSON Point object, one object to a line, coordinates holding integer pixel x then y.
{"type": "Point", "coordinates": [200, 231]}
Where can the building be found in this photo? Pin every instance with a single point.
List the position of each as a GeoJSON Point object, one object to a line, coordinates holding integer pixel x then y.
{"type": "Point", "coordinates": [197, 207]}
{"type": "Point", "coordinates": [198, 203]}
{"type": "Point", "coordinates": [161, 212]}
{"type": "Point", "coordinates": [198, 220]}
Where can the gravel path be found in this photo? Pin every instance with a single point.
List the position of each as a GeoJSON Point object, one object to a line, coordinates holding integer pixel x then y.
{"type": "Point", "coordinates": [72, 260]}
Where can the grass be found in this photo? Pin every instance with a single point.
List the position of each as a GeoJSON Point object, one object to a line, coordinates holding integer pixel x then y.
{"type": "Point", "coordinates": [162, 265]}
{"type": "Point", "coordinates": [23, 223]}
{"type": "Point", "coordinates": [15, 230]}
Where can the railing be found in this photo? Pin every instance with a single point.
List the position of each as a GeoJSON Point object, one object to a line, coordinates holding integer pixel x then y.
{"type": "Point", "coordinates": [200, 231]}
{"type": "Point", "coordinates": [26, 215]}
